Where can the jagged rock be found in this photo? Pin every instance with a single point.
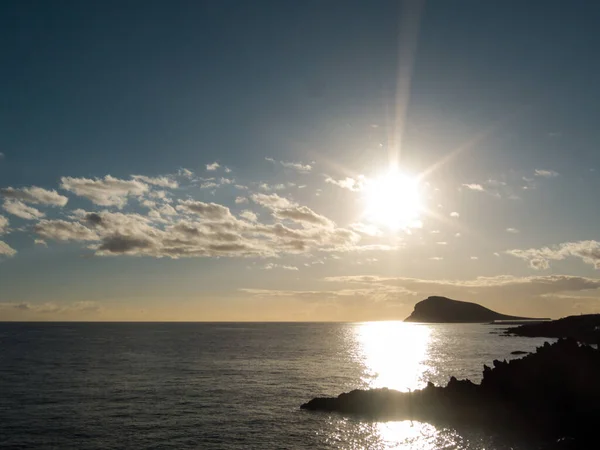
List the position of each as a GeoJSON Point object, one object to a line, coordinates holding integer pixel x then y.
{"type": "Point", "coordinates": [437, 309]}
{"type": "Point", "coordinates": [549, 394]}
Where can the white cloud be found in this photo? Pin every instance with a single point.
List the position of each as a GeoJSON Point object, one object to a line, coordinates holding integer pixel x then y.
{"type": "Point", "coordinates": [297, 166]}
{"type": "Point", "coordinates": [474, 187]}
{"type": "Point", "coordinates": [167, 210]}
{"type": "Point", "coordinates": [272, 201]}
{"type": "Point", "coordinates": [474, 258]}
{"type": "Point", "coordinates": [442, 243]}
{"type": "Point", "coordinates": [271, 266]}
{"type": "Point", "coordinates": [20, 209]}
{"type": "Point", "coordinates": [500, 286]}
{"type": "Point", "coordinates": [271, 187]}
{"type": "Point", "coordinates": [347, 183]}
{"type": "Point", "coordinates": [367, 229]}
{"type": "Point", "coordinates": [212, 167]}
{"type": "Point", "coordinates": [185, 173]}
{"type": "Point", "coordinates": [512, 230]}
{"type": "Point", "coordinates": [436, 258]}
{"type": "Point", "coordinates": [304, 215]}
{"type": "Point", "coordinates": [240, 200]}
{"type": "Point", "coordinates": [108, 191]}
{"type": "Point", "coordinates": [211, 211]}
{"type": "Point", "coordinates": [50, 307]}
{"type": "Point", "coordinates": [545, 173]}
{"type": "Point", "coordinates": [160, 195]}
{"type": "Point", "coordinates": [34, 194]}
{"type": "Point", "coordinates": [249, 215]}
{"type": "Point", "coordinates": [6, 250]}
{"type": "Point", "coordinates": [227, 170]}
{"type": "Point", "coordinates": [61, 230]}
{"type": "Point", "coordinates": [40, 242]}
{"type": "Point", "coordinates": [217, 233]}
{"type": "Point", "coordinates": [157, 181]}
{"type": "Point", "coordinates": [539, 258]}
{"type": "Point", "coordinates": [187, 228]}
{"type": "Point", "coordinates": [283, 209]}
{"type": "Point", "coordinates": [208, 185]}
{"type": "Point", "coordinates": [454, 214]}
{"type": "Point", "coordinates": [3, 224]}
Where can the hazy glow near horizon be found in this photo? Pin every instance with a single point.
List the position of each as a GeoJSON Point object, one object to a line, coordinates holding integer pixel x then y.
{"type": "Point", "coordinates": [393, 200]}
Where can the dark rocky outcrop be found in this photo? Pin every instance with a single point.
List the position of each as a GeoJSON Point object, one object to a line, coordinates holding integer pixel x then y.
{"type": "Point", "coordinates": [444, 310]}
{"type": "Point", "coordinates": [550, 394]}
{"type": "Point", "coordinates": [584, 328]}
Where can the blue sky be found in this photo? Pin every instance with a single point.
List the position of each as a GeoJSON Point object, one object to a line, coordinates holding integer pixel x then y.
{"type": "Point", "coordinates": [216, 160]}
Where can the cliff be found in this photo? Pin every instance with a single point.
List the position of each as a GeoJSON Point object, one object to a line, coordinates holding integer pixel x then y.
{"type": "Point", "coordinates": [444, 310]}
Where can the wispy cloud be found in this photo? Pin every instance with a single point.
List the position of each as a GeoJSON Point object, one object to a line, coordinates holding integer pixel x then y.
{"type": "Point", "coordinates": [185, 173]}
{"type": "Point", "coordinates": [20, 209]}
{"type": "Point", "coordinates": [107, 191]}
{"type": "Point", "coordinates": [501, 284]}
{"type": "Point", "coordinates": [3, 224]}
{"type": "Point", "coordinates": [36, 195]}
{"type": "Point", "coordinates": [539, 258]}
{"type": "Point", "coordinates": [512, 230]}
{"type": "Point", "coordinates": [212, 167]}
{"type": "Point", "coordinates": [271, 266]}
{"type": "Point", "coordinates": [166, 182]}
{"type": "Point", "coordinates": [297, 166]}
{"type": "Point", "coordinates": [545, 173]}
{"type": "Point", "coordinates": [349, 183]}
{"type": "Point", "coordinates": [474, 187]}
{"type": "Point", "coordinates": [50, 307]}
{"type": "Point", "coordinates": [6, 250]}
{"type": "Point", "coordinates": [454, 214]}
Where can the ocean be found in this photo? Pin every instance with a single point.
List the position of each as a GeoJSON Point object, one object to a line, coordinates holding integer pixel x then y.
{"type": "Point", "coordinates": [229, 385]}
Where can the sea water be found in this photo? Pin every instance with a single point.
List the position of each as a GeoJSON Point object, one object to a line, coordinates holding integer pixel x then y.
{"type": "Point", "coordinates": [229, 385]}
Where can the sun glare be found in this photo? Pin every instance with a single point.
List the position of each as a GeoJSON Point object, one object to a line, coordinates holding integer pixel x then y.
{"type": "Point", "coordinates": [393, 200]}
{"type": "Point", "coordinates": [394, 353]}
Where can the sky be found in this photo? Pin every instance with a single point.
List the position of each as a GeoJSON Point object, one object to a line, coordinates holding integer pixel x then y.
{"type": "Point", "coordinates": [297, 161]}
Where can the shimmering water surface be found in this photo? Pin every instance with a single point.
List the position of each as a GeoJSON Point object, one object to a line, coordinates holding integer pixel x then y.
{"type": "Point", "coordinates": [228, 386]}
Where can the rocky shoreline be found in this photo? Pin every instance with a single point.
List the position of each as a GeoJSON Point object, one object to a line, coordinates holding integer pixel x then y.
{"type": "Point", "coordinates": [584, 328]}
{"type": "Point", "coordinates": [547, 395]}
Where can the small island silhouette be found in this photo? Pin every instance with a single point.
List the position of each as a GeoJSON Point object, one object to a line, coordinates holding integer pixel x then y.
{"type": "Point", "coordinates": [436, 309]}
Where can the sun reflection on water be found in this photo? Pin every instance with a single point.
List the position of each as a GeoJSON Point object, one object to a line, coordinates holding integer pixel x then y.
{"type": "Point", "coordinates": [407, 435]}
{"type": "Point", "coordinates": [394, 354]}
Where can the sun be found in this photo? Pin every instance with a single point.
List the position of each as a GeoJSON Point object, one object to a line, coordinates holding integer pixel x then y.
{"type": "Point", "coordinates": [393, 200]}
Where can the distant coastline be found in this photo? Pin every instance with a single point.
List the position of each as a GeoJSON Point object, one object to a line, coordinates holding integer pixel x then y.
{"type": "Point", "coordinates": [436, 309]}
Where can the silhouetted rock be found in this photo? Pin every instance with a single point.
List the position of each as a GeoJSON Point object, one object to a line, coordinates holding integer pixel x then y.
{"type": "Point", "coordinates": [518, 352]}
{"type": "Point", "coordinates": [584, 328]}
{"type": "Point", "coordinates": [444, 310]}
{"type": "Point", "coordinates": [545, 395]}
